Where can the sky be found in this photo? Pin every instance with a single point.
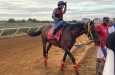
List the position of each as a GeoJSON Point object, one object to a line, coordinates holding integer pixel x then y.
{"type": "Point", "coordinates": [42, 9]}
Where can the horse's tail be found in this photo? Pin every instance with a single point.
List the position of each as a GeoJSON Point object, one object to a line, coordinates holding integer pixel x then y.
{"type": "Point", "coordinates": [35, 33]}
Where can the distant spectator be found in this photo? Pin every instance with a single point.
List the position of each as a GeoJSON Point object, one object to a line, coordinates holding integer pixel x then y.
{"type": "Point", "coordinates": [112, 26]}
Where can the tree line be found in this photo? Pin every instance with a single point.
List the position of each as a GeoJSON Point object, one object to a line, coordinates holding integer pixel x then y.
{"type": "Point", "coordinates": [12, 20]}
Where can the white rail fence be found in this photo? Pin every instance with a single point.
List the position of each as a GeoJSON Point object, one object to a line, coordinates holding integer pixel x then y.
{"type": "Point", "coordinates": [14, 31]}
{"type": "Point", "coordinates": [19, 28]}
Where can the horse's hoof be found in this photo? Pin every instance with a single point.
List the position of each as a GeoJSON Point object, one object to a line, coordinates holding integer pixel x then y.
{"type": "Point", "coordinates": [45, 63]}
{"type": "Point", "coordinates": [75, 68]}
{"type": "Point", "coordinates": [61, 66]}
{"type": "Point", "coordinates": [61, 69]}
{"type": "Point", "coordinates": [77, 73]}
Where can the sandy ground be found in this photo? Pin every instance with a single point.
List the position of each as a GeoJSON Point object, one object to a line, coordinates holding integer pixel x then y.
{"type": "Point", "coordinates": [22, 55]}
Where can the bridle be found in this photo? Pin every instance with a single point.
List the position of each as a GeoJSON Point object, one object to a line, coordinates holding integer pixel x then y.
{"type": "Point", "coordinates": [88, 30]}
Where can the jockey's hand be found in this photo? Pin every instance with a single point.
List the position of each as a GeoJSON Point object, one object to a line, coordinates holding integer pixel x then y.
{"type": "Point", "coordinates": [59, 19]}
{"type": "Point", "coordinates": [65, 3]}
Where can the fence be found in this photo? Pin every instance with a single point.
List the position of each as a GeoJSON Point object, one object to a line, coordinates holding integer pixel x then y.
{"type": "Point", "coordinates": [19, 28]}
{"type": "Point", "coordinates": [14, 31]}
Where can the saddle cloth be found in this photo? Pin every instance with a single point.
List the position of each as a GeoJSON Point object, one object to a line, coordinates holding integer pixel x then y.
{"type": "Point", "coordinates": [56, 36]}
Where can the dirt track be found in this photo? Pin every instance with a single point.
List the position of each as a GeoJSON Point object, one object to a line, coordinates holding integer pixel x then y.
{"type": "Point", "coordinates": [23, 56]}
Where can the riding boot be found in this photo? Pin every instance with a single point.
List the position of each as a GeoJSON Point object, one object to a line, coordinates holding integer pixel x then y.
{"type": "Point", "coordinates": [54, 32]}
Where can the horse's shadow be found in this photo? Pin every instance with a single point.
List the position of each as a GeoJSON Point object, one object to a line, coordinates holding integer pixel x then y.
{"type": "Point", "coordinates": [65, 73]}
{"type": "Point", "coordinates": [60, 73]}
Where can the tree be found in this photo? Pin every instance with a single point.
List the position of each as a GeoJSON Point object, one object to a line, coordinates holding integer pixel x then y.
{"type": "Point", "coordinates": [30, 20]}
{"type": "Point", "coordinates": [11, 20]}
{"type": "Point", "coordinates": [20, 21]}
{"type": "Point", "coordinates": [23, 20]}
{"type": "Point", "coordinates": [74, 21]}
{"type": "Point", "coordinates": [34, 20]}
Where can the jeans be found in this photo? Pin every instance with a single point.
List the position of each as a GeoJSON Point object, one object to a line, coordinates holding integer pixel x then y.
{"type": "Point", "coordinates": [58, 24]}
{"type": "Point", "coordinates": [104, 51]}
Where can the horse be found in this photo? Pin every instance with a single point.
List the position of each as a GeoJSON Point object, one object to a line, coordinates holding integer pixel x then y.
{"type": "Point", "coordinates": [67, 40]}
{"type": "Point", "coordinates": [109, 67]}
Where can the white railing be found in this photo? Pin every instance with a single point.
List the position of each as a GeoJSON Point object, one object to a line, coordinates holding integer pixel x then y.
{"type": "Point", "coordinates": [16, 30]}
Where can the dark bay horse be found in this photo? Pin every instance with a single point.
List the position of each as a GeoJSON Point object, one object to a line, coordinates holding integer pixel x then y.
{"type": "Point", "coordinates": [68, 39]}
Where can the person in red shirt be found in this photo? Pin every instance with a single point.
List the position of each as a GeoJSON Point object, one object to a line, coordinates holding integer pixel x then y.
{"type": "Point", "coordinates": [102, 31]}
{"type": "Point", "coordinates": [57, 15]}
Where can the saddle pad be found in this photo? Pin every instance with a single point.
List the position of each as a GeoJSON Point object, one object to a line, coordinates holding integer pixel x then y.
{"type": "Point", "coordinates": [57, 35]}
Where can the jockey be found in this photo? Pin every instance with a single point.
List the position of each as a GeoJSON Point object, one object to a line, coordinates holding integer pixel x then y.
{"type": "Point", "coordinates": [102, 31]}
{"type": "Point", "coordinates": [57, 15]}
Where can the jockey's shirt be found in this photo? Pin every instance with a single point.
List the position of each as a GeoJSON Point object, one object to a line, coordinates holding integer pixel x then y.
{"type": "Point", "coordinates": [58, 13]}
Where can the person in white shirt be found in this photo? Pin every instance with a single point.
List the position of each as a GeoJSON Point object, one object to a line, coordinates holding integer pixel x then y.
{"type": "Point", "coordinates": [111, 26]}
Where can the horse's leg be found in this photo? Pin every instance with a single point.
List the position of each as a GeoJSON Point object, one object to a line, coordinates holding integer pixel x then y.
{"type": "Point", "coordinates": [44, 51]}
{"type": "Point", "coordinates": [73, 60]}
{"type": "Point", "coordinates": [63, 61]}
{"type": "Point", "coordinates": [48, 46]}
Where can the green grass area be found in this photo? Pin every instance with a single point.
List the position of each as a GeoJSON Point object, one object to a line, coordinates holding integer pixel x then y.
{"type": "Point", "coordinates": [9, 32]}
{"type": "Point", "coordinates": [23, 30]}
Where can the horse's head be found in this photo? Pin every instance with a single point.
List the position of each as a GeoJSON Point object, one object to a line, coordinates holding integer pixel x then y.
{"type": "Point", "coordinates": [89, 26]}
{"type": "Point", "coordinates": [90, 31]}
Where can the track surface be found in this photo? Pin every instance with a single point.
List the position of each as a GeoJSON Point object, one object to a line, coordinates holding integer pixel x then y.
{"type": "Point", "coordinates": [22, 55]}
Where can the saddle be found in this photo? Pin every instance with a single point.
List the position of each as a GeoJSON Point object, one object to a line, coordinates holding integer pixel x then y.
{"type": "Point", "coordinates": [57, 36]}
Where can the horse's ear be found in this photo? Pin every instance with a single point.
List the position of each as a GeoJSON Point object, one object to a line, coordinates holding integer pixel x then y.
{"type": "Point", "coordinates": [92, 23]}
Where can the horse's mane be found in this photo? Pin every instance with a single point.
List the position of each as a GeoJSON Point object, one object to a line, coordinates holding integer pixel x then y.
{"type": "Point", "coordinates": [76, 25]}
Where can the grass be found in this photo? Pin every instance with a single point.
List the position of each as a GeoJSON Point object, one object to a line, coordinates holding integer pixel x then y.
{"type": "Point", "coordinates": [9, 32]}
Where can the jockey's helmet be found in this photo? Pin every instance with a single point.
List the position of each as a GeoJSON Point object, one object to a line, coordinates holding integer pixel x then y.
{"type": "Point", "coordinates": [61, 3]}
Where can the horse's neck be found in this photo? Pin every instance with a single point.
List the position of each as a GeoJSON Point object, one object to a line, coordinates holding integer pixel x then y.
{"type": "Point", "coordinates": [77, 30]}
